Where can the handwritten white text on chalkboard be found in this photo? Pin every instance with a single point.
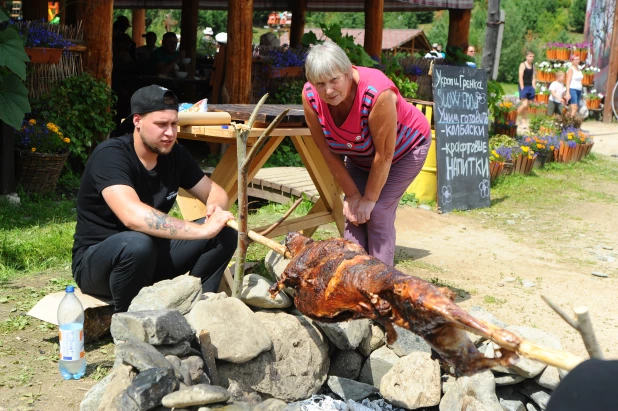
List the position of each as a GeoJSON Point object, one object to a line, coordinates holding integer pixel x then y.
{"type": "Point", "coordinates": [469, 166]}
{"type": "Point", "coordinates": [459, 81]}
{"type": "Point", "coordinates": [461, 99]}
{"type": "Point", "coordinates": [454, 118]}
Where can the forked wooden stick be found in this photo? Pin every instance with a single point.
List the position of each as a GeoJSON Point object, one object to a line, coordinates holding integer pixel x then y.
{"type": "Point", "coordinates": [582, 325]}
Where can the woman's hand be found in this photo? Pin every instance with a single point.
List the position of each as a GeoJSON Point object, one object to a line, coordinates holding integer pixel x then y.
{"type": "Point", "coordinates": [350, 204]}
{"type": "Point", "coordinates": [567, 96]}
{"type": "Point", "coordinates": [363, 210]}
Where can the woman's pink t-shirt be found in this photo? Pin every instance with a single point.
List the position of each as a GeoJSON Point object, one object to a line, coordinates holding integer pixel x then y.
{"type": "Point", "coordinates": [353, 138]}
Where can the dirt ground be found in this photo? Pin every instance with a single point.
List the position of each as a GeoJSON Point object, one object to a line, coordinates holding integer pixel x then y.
{"type": "Point", "coordinates": [473, 252]}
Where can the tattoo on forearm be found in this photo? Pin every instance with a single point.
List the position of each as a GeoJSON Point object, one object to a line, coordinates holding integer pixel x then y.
{"type": "Point", "coordinates": [157, 220]}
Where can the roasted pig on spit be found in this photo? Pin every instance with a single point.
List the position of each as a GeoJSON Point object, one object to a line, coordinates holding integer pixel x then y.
{"type": "Point", "coordinates": [336, 280]}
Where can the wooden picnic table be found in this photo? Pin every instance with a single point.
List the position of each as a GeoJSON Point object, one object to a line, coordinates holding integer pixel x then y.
{"type": "Point", "coordinates": [327, 209]}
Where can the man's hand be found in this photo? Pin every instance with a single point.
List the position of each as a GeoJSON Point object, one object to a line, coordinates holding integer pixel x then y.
{"type": "Point", "coordinates": [211, 208]}
{"type": "Point", "coordinates": [363, 210]}
{"type": "Point", "coordinates": [349, 208]}
{"type": "Point", "coordinates": [215, 223]}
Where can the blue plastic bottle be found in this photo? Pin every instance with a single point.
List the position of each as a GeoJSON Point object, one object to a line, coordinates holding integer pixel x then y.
{"type": "Point", "coordinates": [72, 362]}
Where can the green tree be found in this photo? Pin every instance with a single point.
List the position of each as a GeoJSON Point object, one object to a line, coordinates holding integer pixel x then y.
{"type": "Point", "coordinates": [577, 15]}
{"type": "Point", "coordinates": [346, 20]}
{"type": "Point", "coordinates": [424, 17]}
{"type": "Point", "coordinates": [439, 30]}
{"type": "Point", "coordinates": [394, 20]}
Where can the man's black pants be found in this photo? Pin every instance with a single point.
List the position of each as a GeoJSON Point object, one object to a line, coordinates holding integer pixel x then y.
{"type": "Point", "coordinates": [121, 265]}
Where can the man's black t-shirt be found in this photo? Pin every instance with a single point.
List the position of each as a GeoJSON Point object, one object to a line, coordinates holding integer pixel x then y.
{"type": "Point", "coordinates": [115, 162]}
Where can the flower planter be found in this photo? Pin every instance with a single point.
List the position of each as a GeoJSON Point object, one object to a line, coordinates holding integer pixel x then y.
{"type": "Point", "coordinates": [551, 54]}
{"type": "Point", "coordinates": [588, 148]}
{"type": "Point", "coordinates": [285, 72]}
{"type": "Point", "coordinates": [542, 98]}
{"type": "Point", "coordinates": [411, 77]}
{"type": "Point", "coordinates": [541, 160]}
{"type": "Point", "coordinates": [564, 153]}
{"type": "Point", "coordinates": [507, 169]}
{"type": "Point", "coordinates": [588, 79]}
{"type": "Point", "coordinates": [593, 104]}
{"type": "Point", "coordinates": [44, 55]}
{"type": "Point", "coordinates": [495, 170]}
{"type": "Point", "coordinates": [582, 54]}
{"type": "Point", "coordinates": [522, 164]}
{"type": "Point", "coordinates": [38, 172]}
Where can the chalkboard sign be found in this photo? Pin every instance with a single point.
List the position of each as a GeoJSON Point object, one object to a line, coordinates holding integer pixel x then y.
{"type": "Point", "coordinates": [460, 110]}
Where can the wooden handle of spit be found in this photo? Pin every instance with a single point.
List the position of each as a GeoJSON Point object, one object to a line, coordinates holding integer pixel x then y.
{"type": "Point", "coordinates": [558, 358]}
{"type": "Point", "coordinates": [273, 245]}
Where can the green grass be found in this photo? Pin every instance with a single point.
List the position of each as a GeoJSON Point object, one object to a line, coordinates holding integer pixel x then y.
{"type": "Point", "coordinates": [509, 88]}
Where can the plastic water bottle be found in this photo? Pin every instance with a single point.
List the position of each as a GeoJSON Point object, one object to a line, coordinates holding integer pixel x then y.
{"type": "Point", "coordinates": [72, 362]}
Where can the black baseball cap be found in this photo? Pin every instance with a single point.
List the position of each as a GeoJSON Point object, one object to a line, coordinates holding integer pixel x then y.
{"type": "Point", "coordinates": [148, 99]}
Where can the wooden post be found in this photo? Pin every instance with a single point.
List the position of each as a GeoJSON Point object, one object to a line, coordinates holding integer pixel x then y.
{"type": "Point", "coordinates": [97, 19]}
{"type": "Point", "coordinates": [374, 22]}
{"type": "Point", "coordinates": [7, 168]}
{"type": "Point", "coordinates": [239, 51]}
{"type": "Point", "coordinates": [458, 27]}
{"type": "Point", "coordinates": [34, 9]}
{"type": "Point", "coordinates": [491, 38]}
{"type": "Point", "coordinates": [138, 25]}
{"type": "Point", "coordinates": [612, 72]}
{"type": "Point", "coordinates": [188, 32]}
{"type": "Point", "coordinates": [299, 19]}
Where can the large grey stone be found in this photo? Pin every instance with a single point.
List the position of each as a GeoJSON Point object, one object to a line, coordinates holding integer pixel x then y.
{"type": "Point", "coordinates": [536, 393]}
{"type": "Point", "coordinates": [345, 364]}
{"type": "Point", "coordinates": [200, 394]}
{"type": "Point", "coordinates": [94, 395]}
{"type": "Point", "coordinates": [179, 372]}
{"type": "Point", "coordinates": [474, 393]}
{"type": "Point", "coordinates": [236, 333]}
{"type": "Point", "coordinates": [275, 264]}
{"type": "Point", "coordinates": [508, 379]}
{"type": "Point", "coordinates": [549, 378]}
{"type": "Point", "coordinates": [408, 342]}
{"type": "Point", "coordinates": [154, 327]}
{"type": "Point", "coordinates": [526, 367]}
{"type": "Point", "coordinates": [147, 390]}
{"type": "Point", "coordinates": [122, 377]}
{"type": "Point", "coordinates": [180, 293]}
{"type": "Point", "coordinates": [296, 366]}
{"type": "Point", "coordinates": [373, 341]}
{"type": "Point", "coordinates": [482, 314]}
{"type": "Point", "coordinates": [413, 382]}
{"type": "Point", "coordinates": [349, 389]}
{"type": "Point", "coordinates": [271, 404]}
{"type": "Point", "coordinates": [379, 363]}
{"type": "Point", "coordinates": [346, 335]}
{"type": "Point", "coordinates": [255, 293]}
{"type": "Point", "coordinates": [181, 349]}
{"type": "Point", "coordinates": [195, 367]}
{"type": "Point", "coordinates": [141, 355]}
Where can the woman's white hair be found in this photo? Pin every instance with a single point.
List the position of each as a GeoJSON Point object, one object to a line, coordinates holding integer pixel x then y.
{"type": "Point", "coordinates": [325, 61]}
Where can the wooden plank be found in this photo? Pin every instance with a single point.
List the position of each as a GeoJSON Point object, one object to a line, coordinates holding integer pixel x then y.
{"type": "Point", "coordinates": [458, 27]}
{"type": "Point", "coordinates": [188, 40]}
{"type": "Point", "coordinates": [98, 59]}
{"type": "Point", "coordinates": [218, 133]}
{"type": "Point", "coordinates": [297, 224]}
{"type": "Point", "coordinates": [299, 12]}
{"type": "Point", "coordinates": [268, 195]}
{"type": "Point", "coordinates": [138, 28]}
{"type": "Point", "coordinates": [267, 113]}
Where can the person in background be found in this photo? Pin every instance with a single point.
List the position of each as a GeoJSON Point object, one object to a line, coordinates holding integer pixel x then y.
{"type": "Point", "coordinates": [440, 52]}
{"type": "Point", "coordinates": [143, 52]}
{"type": "Point", "coordinates": [471, 52]}
{"type": "Point", "coordinates": [165, 59]}
{"type": "Point", "coordinates": [574, 77]}
{"type": "Point", "coordinates": [269, 39]}
{"type": "Point", "coordinates": [124, 238]}
{"type": "Point", "coordinates": [527, 85]}
{"type": "Point", "coordinates": [373, 141]}
{"type": "Point", "coordinates": [556, 98]}
{"type": "Point", "coordinates": [120, 25]}
{"type": "Point", "coordinates": [433, 53]}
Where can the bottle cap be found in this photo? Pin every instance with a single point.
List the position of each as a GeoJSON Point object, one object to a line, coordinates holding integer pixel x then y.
{"type": "Point", "coordinates": [70, 289]}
